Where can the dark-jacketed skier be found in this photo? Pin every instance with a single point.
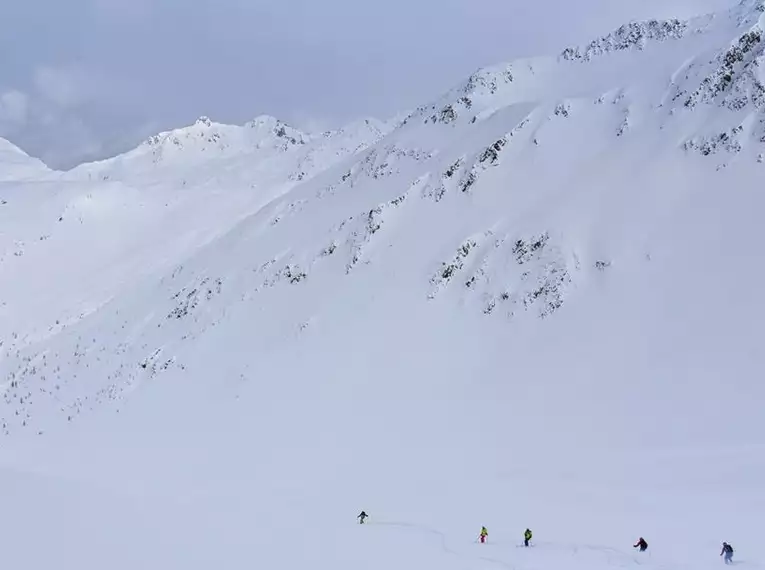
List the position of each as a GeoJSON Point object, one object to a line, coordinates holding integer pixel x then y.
{"type": "Point", "coordinates": [727, 552]}
{"type": "Point", "coordinates": [362, 516]}
{"type": "Point", "coordinates": [641, 544]}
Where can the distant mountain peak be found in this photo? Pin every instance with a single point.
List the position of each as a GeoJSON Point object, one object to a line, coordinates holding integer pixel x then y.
{"type": "Point", "coordinates": [279, 129]}
{"type": "Point", "coordinates": [205, 134]}
{"type": "Point", "coordinates": [263, 121]}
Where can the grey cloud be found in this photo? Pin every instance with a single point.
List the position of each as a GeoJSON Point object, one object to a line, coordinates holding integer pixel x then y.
{"type": "Point", "coordinates": [13, 108]}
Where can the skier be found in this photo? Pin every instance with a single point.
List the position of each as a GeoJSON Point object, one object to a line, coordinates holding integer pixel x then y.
{"type": "Point", "coordinates": [362, 516]}
{"type": "Point", "coordinates": [727, 550]}
{"type": "Point", "coordinates": [484, 534]}
{"type": "Point", "coordinates": [642, 544]}
{"type": "Point", "coordinates": [526, 537]}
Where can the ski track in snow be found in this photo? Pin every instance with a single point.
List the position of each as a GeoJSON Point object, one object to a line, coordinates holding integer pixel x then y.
{"type": "Point", "coordinates": [443, 542]}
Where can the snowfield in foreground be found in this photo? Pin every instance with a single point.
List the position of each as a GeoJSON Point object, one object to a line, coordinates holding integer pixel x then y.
{"type": "Point", "coordinates": [534, 302]}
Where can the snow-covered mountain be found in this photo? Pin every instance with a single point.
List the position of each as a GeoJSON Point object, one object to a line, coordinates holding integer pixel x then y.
{"type": "Point", "coordinates": [261, 148]}
{"type": "Point", "coordinates": [534, 301]}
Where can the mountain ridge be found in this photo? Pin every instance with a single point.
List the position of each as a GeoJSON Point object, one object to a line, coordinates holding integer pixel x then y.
{"type": "Point", "coordinates": [491, 82]}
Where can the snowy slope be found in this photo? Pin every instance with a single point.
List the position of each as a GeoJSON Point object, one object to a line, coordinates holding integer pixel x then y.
{"type": "Point", "coordinates": [100, 228]}
{"type": "Point", "coordinates": [535, 302]}
{"type": "Point", "coordinates": [16, 164]}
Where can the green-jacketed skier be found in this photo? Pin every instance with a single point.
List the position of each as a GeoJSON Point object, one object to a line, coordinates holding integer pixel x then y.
{"type": "Point", "coordinates": [526, 537]}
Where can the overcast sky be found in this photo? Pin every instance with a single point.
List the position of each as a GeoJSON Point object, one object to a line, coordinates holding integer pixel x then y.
{"type": "Point", "coordinates": [81, 79]}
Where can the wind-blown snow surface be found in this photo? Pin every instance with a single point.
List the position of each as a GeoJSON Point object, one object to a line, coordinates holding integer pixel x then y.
{"type": "Point", "coordinates": [535, 302]}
